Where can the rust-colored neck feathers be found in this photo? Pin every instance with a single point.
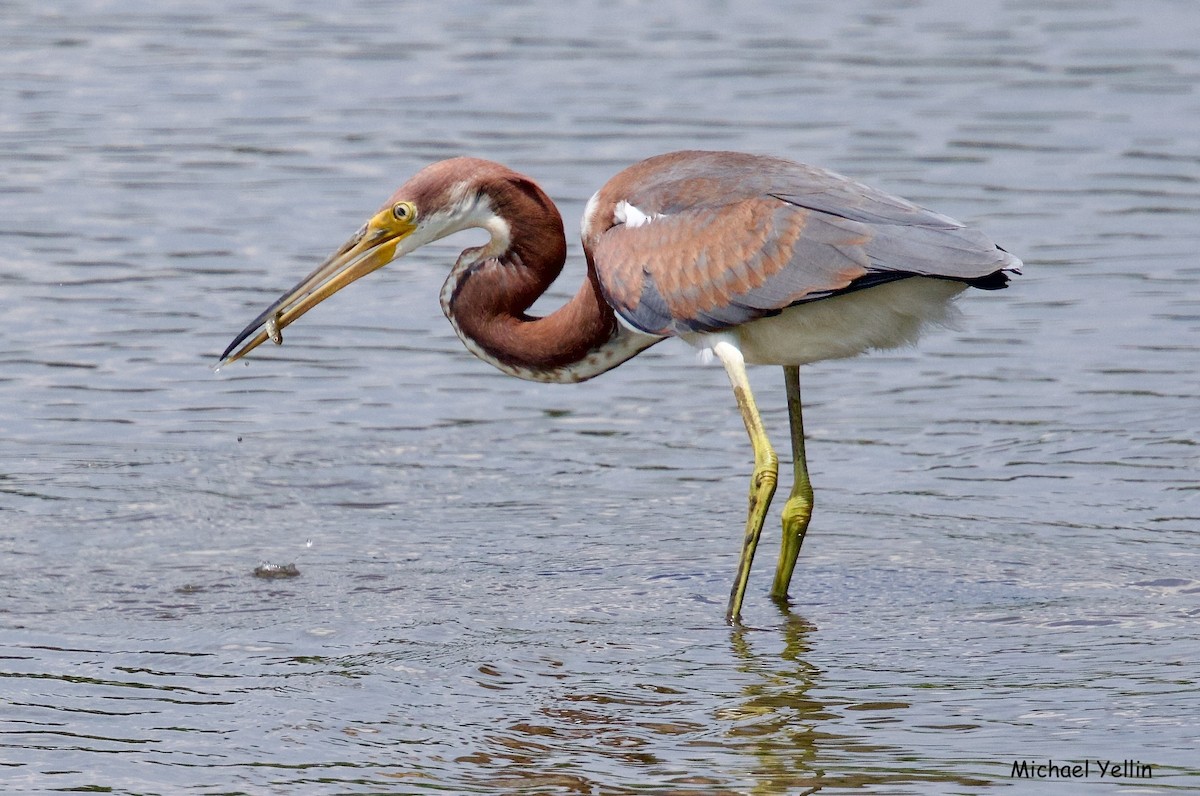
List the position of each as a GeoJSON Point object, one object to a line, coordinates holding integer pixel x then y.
{"type": "Point", "coordinates": [490, 289]}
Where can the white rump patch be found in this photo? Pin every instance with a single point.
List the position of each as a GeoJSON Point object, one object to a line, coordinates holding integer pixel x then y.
{"type": "Point", "coordinates": [631, 216]}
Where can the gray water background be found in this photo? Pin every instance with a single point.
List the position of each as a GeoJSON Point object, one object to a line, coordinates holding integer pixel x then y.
{"type": "Point", "coordinates": [512, 587]}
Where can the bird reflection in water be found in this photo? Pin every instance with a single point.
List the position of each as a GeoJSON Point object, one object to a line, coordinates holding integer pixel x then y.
{"type": "Point", "coordinates": [796, 727]}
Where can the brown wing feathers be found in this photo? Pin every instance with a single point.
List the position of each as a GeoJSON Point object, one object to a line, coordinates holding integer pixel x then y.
{"type": "Point", "coordinates": [719, 250]}
{"type": "Point", "coordinates": [713, 268]}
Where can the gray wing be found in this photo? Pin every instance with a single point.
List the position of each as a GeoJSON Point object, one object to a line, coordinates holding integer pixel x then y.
{"type": "Point", "coordinates": [730, 241]}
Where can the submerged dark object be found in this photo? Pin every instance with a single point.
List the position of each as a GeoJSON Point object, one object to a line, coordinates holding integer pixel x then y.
{"type": "Point", "coordinates": [272, 571]}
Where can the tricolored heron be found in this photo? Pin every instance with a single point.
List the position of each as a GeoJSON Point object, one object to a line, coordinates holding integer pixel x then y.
{"type": "Point", "coordinates": [751, 259]}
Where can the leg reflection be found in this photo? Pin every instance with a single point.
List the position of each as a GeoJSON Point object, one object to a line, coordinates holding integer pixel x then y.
{"type": "Point", "coordinates": [779, 719]}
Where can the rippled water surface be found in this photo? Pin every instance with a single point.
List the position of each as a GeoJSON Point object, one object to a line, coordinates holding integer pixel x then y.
{"type": "Point", "coordinates": [512, 587]}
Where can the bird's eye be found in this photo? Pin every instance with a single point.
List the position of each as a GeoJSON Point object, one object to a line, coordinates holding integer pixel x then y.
{"type": "Point", "coordinates": [404, 211]}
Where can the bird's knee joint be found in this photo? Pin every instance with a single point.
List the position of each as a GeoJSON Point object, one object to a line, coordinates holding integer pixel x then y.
{"type": "Point", "coordinates": [765, 477]}
{"type": "Point", "coordinates": [768, 463]}
{"type": "Point", "coordinates": [797, 510]}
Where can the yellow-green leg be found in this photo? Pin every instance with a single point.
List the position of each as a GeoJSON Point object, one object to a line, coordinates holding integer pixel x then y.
{"type": "Point", "coordinates": [798, 509]}
{"type": "Point", "coordinates": [763, 480]}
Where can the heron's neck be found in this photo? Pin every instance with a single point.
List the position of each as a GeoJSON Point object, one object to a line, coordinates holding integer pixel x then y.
{"type": "Point", "coordinates": [487, 294]}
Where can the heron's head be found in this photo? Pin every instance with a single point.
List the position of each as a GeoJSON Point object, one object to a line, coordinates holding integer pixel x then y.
{"type": "Point", "coordinates": [439, 200]}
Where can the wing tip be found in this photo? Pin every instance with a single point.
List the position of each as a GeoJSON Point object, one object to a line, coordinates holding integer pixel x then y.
{"type": "Point", "coordinates": [998, 279]}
